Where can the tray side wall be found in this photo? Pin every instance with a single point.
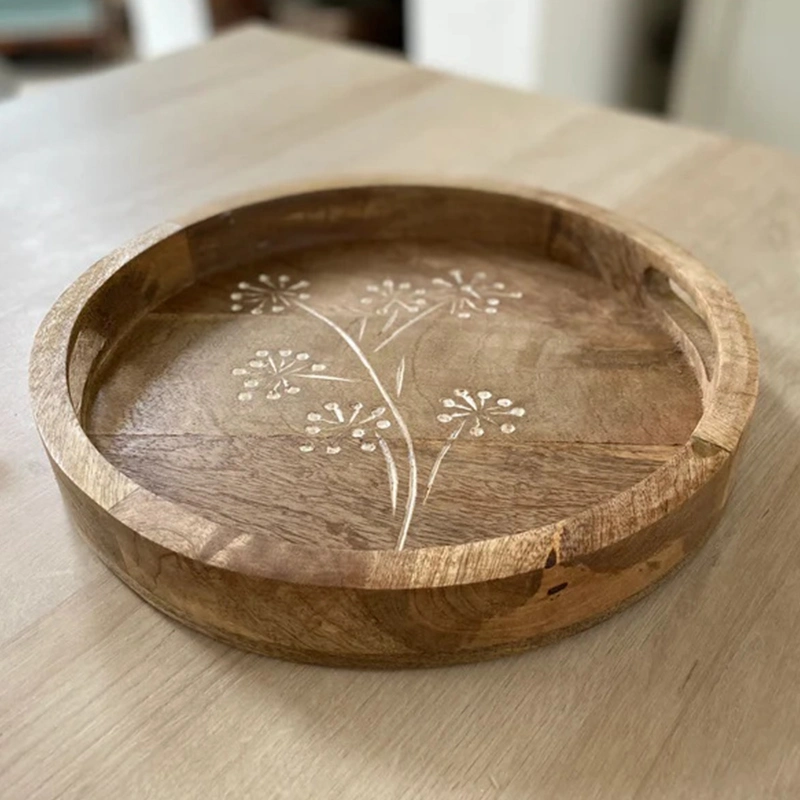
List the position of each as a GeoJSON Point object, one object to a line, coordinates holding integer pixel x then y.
{"type": "Point", "coordinates": [403, 627]}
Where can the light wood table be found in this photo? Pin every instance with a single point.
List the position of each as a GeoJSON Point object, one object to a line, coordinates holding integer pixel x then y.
{"type": "Point", "coordinates": [691, 693]}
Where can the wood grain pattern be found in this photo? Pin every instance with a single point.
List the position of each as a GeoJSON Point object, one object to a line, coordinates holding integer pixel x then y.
{"type": "Point", "coordinates": [691, 693]}
{"type": "Point", "coordinates": [258, 377]}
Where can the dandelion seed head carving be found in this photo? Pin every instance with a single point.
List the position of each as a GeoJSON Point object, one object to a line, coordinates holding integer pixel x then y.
{"type": "Point", "coordinates": [389, 296]}
{"type": "Point", "coordinates": [340, 426]}
{"type": "Point", "coordinates": [277, 373]}
{"type": "Point", "coordinates": [477, 411]}
{"type": "Point", "coordinates": [467, 296]}
{"type": "Point", "coordinates": [269, 294]}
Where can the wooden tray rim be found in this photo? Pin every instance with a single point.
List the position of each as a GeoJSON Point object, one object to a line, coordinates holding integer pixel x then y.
{"type": "Point", "coordinates": [728, 405]}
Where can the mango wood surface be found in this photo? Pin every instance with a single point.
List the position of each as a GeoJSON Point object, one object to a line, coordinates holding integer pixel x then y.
{"type": "Point", "coordinates": [691, 693]}
{"type": "Point", "coordinates": [375, 503]}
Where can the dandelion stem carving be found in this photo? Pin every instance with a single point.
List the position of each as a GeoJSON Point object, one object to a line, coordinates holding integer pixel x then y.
{"type": "Point", "coordinates": [399, 375]}
{"type": "Point", "coordinates": [407, 325]}
{"type": "Point", "coordinates": [396, 306]}
{"type": "Point", "coordinates": [411, 499]}
{"type": "Point", "coordinates": [477, 409]}
{"type": "Point", "coordinates": [391, 471]}
{"type": "Point", "coordinates": [438, 463]}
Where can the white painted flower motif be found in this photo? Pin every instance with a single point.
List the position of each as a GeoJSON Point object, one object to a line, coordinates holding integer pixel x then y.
{"type": "Point", "coordinates": [338, 428]}
{"type": "Point", "coordinates": [394, 305]}
{"type": "Point", "coordinates": [480, 412]}
{"type": "Point", "coordinates": [277, 372]}
{"type": "Point", "coordinates": [390, 300]}
{"type": "Point", "coordinates": [475, 295]}
{"type": "Point", "coordinates": [271, 294]}
{"type": "Point", "coordinates": [391, 296]}
{"type": "Point", "coordinates": [478, 409]}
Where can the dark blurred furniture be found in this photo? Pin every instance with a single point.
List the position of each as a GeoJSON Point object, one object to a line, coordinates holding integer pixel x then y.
{"type": "Point", "coordinates": [231, 12]}
{"type": "Point", "coordinates": [8, 84]}
{"type": "Point", "coordinates": [53, 26]}
{"type": "Point", "coordinates": [374, 21]}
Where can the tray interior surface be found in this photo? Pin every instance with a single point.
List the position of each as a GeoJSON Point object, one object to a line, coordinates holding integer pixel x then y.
{"type": "Point", "coordinates": [385, 393]}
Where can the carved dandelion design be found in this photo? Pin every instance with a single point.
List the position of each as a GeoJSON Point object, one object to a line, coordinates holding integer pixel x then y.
{"type": "Point", "coordinates": [475, 295]}
{"type": "Point", "coordinates": [394, 306]}
{"type": "Point", "coordinates": [279, 373]}
{"type": "Point", "coordinates": [270, 293]}
{"type": "Point", "coordinates": [336, 430]}
{"type": "Point", "coordinates": [391, 296]}
{"type": "Point", "coordinates": [476, 412]}
{"type": "Point", "coordinates": [337, 425]}
{"type": "Point", "coordinates": [397, 305]}
{"type": "Point", "coordinates": [478, 409]}
{"type": "Point", "coordinates": [390, 299]}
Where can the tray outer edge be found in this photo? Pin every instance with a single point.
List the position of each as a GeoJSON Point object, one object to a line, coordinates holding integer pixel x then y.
{"type": "Point", "coordinates": [415, 607]}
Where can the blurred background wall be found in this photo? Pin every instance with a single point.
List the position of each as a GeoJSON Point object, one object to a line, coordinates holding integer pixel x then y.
{"type": "Point", "coordinates": [608, 52]}
{"type": "Point", "coordinates": [729, 65]}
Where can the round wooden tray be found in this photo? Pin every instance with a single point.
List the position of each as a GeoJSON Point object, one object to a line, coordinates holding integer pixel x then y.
{"type": "Point", "coordinates": [394, 425]}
